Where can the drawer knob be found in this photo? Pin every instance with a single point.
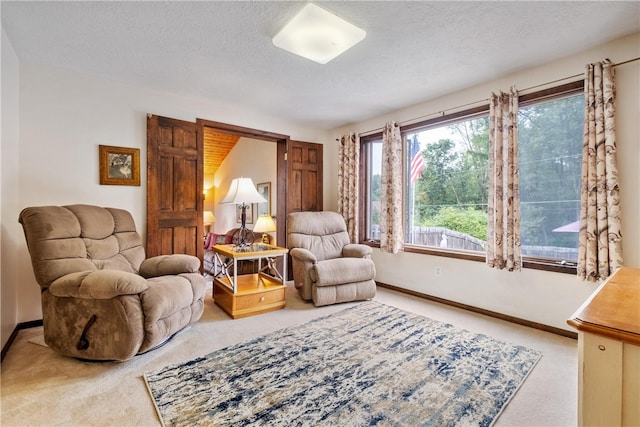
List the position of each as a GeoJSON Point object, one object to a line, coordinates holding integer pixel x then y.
{"type": "Point", "coordinates": [261, 299]}
{"type": "Point", "coordinates": [601, 347]}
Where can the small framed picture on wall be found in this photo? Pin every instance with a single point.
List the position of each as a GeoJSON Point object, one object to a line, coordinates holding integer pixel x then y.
{"type": "Point", "coordinates": [119, 165]}
{"type": "Point", "coordinates": [264, 188]}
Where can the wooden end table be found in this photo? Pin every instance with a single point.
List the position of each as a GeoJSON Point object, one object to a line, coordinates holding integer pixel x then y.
{"type": "Point", "coordinates": [249, 294]}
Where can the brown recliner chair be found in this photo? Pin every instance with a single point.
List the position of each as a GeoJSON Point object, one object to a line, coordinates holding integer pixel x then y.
{"type": "Point", "coordinates": [101, 299]}
{"type": "Point", "coordinates": [326, 267]}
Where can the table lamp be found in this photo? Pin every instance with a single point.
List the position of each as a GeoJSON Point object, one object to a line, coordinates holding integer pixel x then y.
{"type": "Point", "coordinates": [208, 219]}
{"type": "Point", "coordinates": [243, 192]}
{"type": "Point", "coordinates": [265, 224]}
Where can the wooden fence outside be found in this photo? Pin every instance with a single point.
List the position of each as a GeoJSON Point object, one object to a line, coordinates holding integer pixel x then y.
{"type": "Point", "coordinates": [441, 237]}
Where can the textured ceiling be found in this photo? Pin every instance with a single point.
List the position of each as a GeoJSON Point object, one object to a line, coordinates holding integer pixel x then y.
{"type": "Point", "coordinates": [222, 51]}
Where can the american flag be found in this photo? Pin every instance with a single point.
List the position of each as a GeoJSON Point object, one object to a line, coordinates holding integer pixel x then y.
{"type": "Point", "coordinates": [417, 163]}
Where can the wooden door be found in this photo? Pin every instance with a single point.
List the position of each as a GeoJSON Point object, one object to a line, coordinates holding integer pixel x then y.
{"type": "Point", "coordinates": [304, 180]}
{"type": "Point", "coordinates": [174, 187]}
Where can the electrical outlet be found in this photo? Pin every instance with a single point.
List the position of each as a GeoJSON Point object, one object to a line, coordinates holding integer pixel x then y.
{"type": "Point", "coordinates": [438, 271]}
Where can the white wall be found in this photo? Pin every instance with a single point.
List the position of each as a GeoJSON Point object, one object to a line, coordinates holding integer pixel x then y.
{"type": "Point", "coordinates": [64, 116]}
{"type": "Point", "coordinates": [9, 233]}
{"type": "Point", "coordinates": [540, 296]}
{"type": "Point", "coordinates": [249, 158]}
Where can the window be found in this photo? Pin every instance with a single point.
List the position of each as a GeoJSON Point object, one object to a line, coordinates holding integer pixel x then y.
{"type": "Point", "coordinates": [446, 202]}
{"type": "Point", "coordinates": [550, 156]}
{"type": "Point", "coordinates": [447, 182]}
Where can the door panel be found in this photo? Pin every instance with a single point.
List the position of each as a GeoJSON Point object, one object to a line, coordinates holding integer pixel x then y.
{"type": "Point", "coordinates": [304, 186]}
{"type": "Point", "coordinates": [174, 187]}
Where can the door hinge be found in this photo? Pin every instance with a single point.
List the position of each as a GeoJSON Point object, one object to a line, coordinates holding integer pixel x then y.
{"type": "Point", "coordinates": [285, 156]}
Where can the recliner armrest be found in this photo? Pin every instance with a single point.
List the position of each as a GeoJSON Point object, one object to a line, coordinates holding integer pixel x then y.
{"type": "Point", "coordinates": [167, 265]}
{"type": "Point", "coordinates": [356, 250]}
{"type": "Point", "coordinates": [303, 255]}
{"type": "Point", "coordinates": [98, 284]}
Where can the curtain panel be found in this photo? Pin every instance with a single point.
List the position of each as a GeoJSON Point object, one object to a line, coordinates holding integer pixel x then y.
{"type": "Point", "coordinates": [391, 235]}
{"type": "Point", "coordinates": [348, 182]}
{"type": "Point", "coordinates": [600, 238]}
{"type": "Point", "coordinates": [503, 233]}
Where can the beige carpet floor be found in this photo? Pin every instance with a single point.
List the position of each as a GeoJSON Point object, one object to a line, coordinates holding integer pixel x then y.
{"type": "Point", "coordinates": [42, 388]}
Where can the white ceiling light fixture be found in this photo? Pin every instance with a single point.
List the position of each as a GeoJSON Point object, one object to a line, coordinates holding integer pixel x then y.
{"type": "Point", "coordinates": [318, 35]}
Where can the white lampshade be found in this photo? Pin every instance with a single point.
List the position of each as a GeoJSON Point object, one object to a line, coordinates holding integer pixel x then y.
{"type": "Point", "coordinates": [242, 191]}
{"type": "Point", "coordinates": [208, 218]}
{"type": "Point", "coordinates": [318, 35]}
{"type": "Point", "coordinates": [265, 224]}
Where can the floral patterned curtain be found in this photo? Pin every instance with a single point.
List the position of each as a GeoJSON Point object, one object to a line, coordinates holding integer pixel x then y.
{"type": "Point", "coordinates": [503, 234]}
{"type": "Point", "coordinates": [391, 236]}
{"type": "Point", "coordinates": [600, 238]}
{"type": "Point", "coordinates": [348, 179]}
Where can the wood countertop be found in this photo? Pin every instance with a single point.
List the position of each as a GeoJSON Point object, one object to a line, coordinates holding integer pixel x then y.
{"type": "Point", "coordinates": [613, 310]}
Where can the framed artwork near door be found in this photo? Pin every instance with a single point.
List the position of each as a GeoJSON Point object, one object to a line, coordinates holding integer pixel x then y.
{"type": "Point", "coordinates": [119, 165]}
{"type": "Point", "coordinates": [264, 188]}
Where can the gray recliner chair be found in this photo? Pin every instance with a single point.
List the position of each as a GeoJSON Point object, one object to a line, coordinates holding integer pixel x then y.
{"type": "Point", "coordinates": [326, 267]}
{"type": "Point", "coordinates": [101, 299]}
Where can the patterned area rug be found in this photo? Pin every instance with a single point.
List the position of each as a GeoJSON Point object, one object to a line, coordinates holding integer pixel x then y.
{"type": "Point", "coordinates": [370, 364]}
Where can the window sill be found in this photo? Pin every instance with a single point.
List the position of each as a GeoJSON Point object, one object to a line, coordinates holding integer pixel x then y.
{"type": "Point", "coordinates": [529, 263]}
{"type": "Point", "coordinates": [549, 265]}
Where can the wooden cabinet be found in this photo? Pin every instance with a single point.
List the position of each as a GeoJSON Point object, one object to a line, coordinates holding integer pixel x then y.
{"type": "Point", "coordinates": [608, 326]}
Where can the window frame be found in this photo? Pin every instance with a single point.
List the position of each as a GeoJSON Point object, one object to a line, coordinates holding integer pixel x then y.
{"type": "Point", "coordinates": [545, 95]}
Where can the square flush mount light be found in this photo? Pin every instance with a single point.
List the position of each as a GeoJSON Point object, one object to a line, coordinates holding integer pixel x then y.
{"type": "Point", "coordinates": [318, 35]}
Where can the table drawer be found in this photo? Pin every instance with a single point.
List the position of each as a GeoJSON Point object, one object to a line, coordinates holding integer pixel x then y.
{"type": "Point", "coordinates": [259, 299]}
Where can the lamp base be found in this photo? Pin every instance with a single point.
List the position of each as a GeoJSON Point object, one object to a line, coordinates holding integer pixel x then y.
{"type": "Point", "coordinates": [245, 237]}
{"type": "Point", "coordinates": [266, 239]}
